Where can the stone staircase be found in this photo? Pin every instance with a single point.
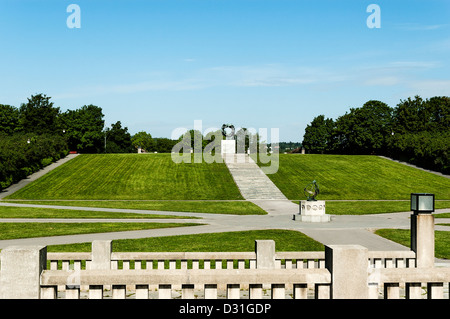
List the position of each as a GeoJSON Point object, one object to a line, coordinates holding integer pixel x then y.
{"type": "Point", "coordinates": [250, 179]}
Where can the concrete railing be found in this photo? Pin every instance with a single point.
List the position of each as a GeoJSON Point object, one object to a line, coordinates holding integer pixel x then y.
{"type": "Point", "coordinates": [392, 259]}
{"type": "Point", "coordinates": [186, 260]}
{"type": "Point", "coordinates": [349, 271]}
{"type": "Point", "coordinates": [220, 260]}
{"type": "Point", "coordinates": [340, 271]}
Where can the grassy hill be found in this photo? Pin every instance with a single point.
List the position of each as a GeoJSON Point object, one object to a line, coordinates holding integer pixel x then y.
{"type": "Point", "coordinates": [132, 177]}
{"type": "Point", "coordinates": [156, 177]}
{"type": "Point", "coordinates": [355, 177]}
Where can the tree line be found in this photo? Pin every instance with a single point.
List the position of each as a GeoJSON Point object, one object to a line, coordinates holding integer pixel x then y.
{"type": "Point", "coordinates": [416, 131]}
{"type": "Point", "coordinates": [83, 129]}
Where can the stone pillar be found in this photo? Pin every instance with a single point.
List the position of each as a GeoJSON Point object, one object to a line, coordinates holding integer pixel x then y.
{"type": "Point", "coordinates": [278, 291]}
{"type": "Point", "coordinates": [228, 147]}
{"type": "Point", "coordinates": [300, 291]}
{"type": "Point", "coordinates": [210, 291]}
{"type": "Point", "coordinates": [142, 291]}
{"type": "Point", "coordinates": [255, 291]}
{"type": "Point", "coordinates": [21, 268]}
{"type": "Point", "coordinates": [233, 291]}
{"type": "Point", "coordinates": [348, 267]}
{"type": "Point", "coordinates": [435, 290]}
{"type": "Point", "coordinates": [422, 239]}
{"type": "Point", "coordinates": [413, 290]}
{"type": "Point", "coordinates": [265, 254]}
{"type": "Point", "coordinates": [101, 254]}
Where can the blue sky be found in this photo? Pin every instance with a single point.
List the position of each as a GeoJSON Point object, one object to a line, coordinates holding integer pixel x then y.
{"type": "Point", "coordinates": [158, 65]}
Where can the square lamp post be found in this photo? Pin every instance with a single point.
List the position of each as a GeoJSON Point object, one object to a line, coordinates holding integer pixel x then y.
{"type": "Point", "coordinates": [422, 203]}
{"type": "Point", "coordinates": [422, 229]}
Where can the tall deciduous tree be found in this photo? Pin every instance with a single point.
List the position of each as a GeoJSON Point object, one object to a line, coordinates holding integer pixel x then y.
{"type": "Point", "coordinates": [84, 129]}
{"type": "Point", "coordinates": [436, 112]}
{"type": "Point", "coordinates": [143, 140]}
{"type": "Point", "coordinates": [364, 130]}
{"type": "Point", "coordinates": [317, 136]}
{"type": "Point", "coordinates": [39, 115]}
{"type": "Point", "coordinates": [9, 119]}
{"type": "Point", "coordinates": [407, 116]}
{"type": "Point", "coordinates": [118, 140]}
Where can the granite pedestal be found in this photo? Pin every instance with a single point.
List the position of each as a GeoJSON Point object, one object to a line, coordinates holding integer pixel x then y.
{"type": "Point", "coordinates": [312, 212]}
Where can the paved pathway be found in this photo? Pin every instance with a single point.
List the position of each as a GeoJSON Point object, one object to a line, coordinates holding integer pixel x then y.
{"type": "Point", "coordinates": [341, 230]}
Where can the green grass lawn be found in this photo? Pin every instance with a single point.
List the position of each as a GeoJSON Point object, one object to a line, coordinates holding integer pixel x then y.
{"type": "Point", "coordinates": [355, 177]}
{"type": "Point", "coordinates": [403, 237]}
{"type": "Point", "coordinates": [211, 207]}
{"type": "Point", "coordinates": [30, 230]}
{"type": "Point", "coordinates": [285, 240]}
{"type": "Point", "coordinates": [38, 212]}
{"type": "Point", "coordinates": [132, 176]}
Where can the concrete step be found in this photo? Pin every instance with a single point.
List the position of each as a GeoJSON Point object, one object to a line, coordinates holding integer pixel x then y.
{"type": "Point", "coordinates": [250, 179]}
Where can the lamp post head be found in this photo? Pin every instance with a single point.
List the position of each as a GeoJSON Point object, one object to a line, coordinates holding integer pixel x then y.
{"type": "Point", "coordinates": [422, 203]}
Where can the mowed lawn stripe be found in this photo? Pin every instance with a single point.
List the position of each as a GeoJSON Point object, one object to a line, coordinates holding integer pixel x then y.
{"type": "Point", "coordinates": [133, 176]}
{"type": "Point", "coordinates": [355, 177]}
{"type": "Point", "coordinates": [31, 230]}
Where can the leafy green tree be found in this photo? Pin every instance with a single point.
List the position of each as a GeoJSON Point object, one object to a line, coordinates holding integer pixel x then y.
{"type": "Point", "coordinates": [213, 141]}
{"type": "Point", "coordinates": [364, 130]}
{"type": "Point", "coordinates": [246, 139]}
{"type": "Point", "coordinates": [143, 140]}
{"type": "Point", "coordinates": [192, 139]}
{"type": "Point", "coordinates": [436, 112]}
{"type": "Point", "coordinates": [39, 115]}
{"type": "Point", "coordinates": [415, 131]}
{"type": "Point", "coordinates": [9, 119]}
{"type": "Point", "coordinates": [317, 137]}
{"type": "Point", "coordinates": [164, 145]}
{"type": "Point", "coordinates": [118, 140]}
{"type": "Point", "coordinates": [84, 129]}
{"type": "Point", "coordinates": [407, 116]}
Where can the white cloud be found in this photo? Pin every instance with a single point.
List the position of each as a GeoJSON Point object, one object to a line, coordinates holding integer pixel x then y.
{"type": "Point", "coordinates": [268, 75]}
{"type": "Point", "coordinates": [272, 75]}
{"type": "Point", "coordinates": [395, 73]}
{"type": "Point", "coordinates": [419, 27]}
{"type": "Point", "coordinates": [382, 81]}
{"type": "Point", "coordinates": [415, 64]}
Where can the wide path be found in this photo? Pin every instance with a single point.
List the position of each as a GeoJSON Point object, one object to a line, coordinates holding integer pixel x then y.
{"type": "Point", "coordinates": [343, 229]}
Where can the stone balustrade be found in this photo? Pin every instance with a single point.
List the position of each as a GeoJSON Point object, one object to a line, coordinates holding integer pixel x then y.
{"type": "Point", "coordinates": [186, 260]}
{"type": "Point", "coordinates": [260, 274]}
{"type": "Point", "coordinates": [338, 272]}
{"type": "Point", "coordinates": [392, 259]}
{"type": "Point", "coordinates": [220, 260]}
{"type": "Point", "coordinates": [208, 280]}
